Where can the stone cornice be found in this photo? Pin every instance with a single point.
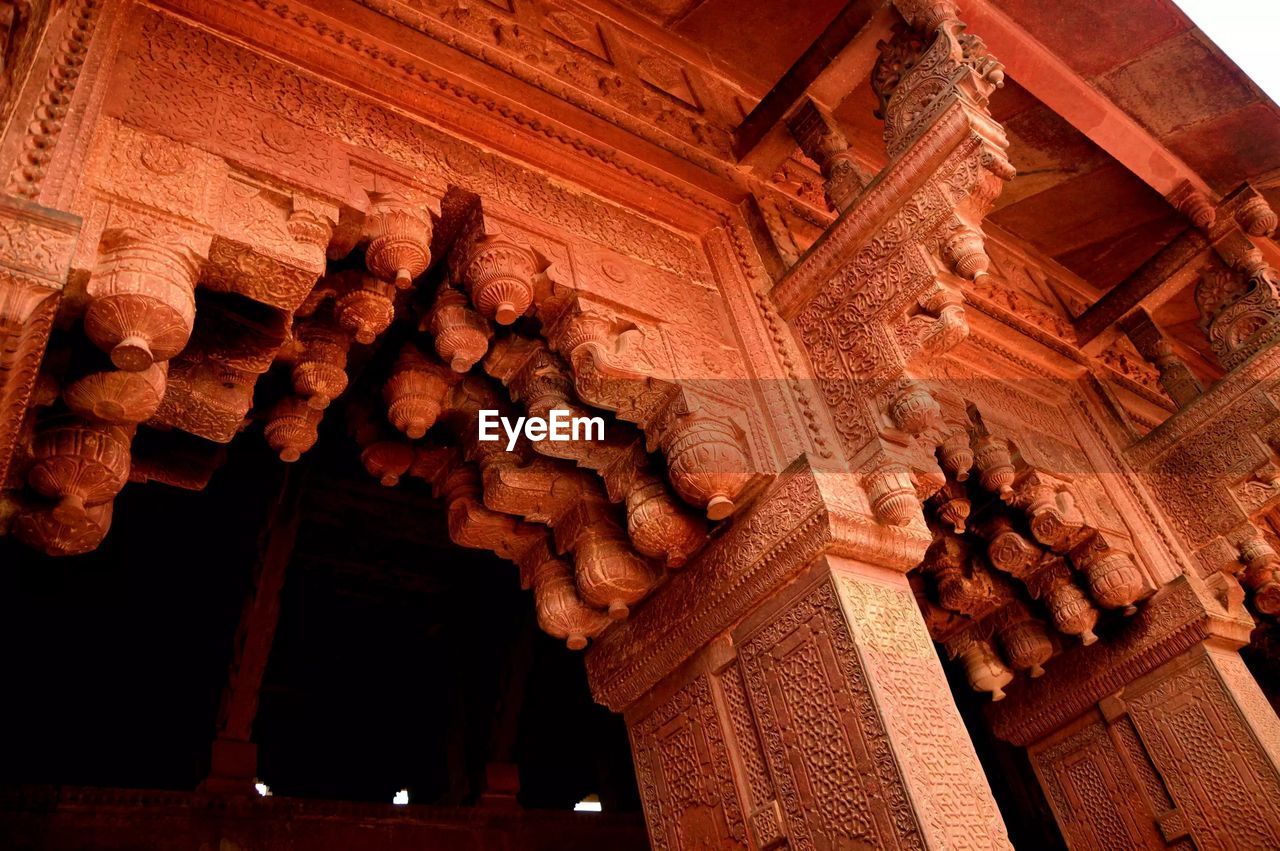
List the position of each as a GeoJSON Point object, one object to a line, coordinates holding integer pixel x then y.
{"type": "Point", "coordinates": [806, 514]}
{"type": "Point", "coordinates": [339, 50]}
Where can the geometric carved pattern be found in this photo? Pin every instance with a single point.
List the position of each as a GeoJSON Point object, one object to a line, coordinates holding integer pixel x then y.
{"type": "Point", "coordinates": [933, 749]}
{"type": "Point", "coordinates": [682, 766]}
{"type": "Point", "coordinates": [1218, 771]}
{"type": "Point", "coordinates": [1091, 793]}
{"type": "Point", "coordinates": [824, 739]}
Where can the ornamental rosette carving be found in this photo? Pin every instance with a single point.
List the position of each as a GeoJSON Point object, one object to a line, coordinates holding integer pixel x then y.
{"type": "Point", "coordinates": [706, 462]}
{"type": "Point", "coordinates": [1239, 310]}
{"type": "Point", "coordinates": [141, 300]}
{"type": "Point", "coordinates": [80, 464]}
{"type": "Point", "coordinates": [499, 276]}
{"type": "Point", "coordinates": [399, 241]}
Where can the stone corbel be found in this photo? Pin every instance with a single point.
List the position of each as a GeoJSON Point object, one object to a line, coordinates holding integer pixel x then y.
{"type": "Point", "coordinates": [82, 465]}
{"type": "Point", "coordinates": [141, 293]}
{"type": "Point", "coordinates": [659, 526]}
{"type": "Point", "coordinates": [1239, 296]}
{"type": "Point", "coordinates": [461, 335]}
{"type": "Point", "coordinates": [399, 227]}
{"type": "Point", "coordinates": [918, 80]}
{"type": "Point", "coordinates": [499, 274]}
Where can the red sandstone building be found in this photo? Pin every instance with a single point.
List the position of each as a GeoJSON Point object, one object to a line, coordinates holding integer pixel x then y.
{"type": "Point", "coordinates": [935, 342]}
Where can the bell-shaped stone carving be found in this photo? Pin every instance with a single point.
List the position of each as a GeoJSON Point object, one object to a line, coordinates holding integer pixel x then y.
{"type": "Point", "coordinates": [914, 410]}
{"type": "Point", "coordinates": [366, 309]}
{"type": "Point", "coordinates": [1027, 645]}
{"type": "Point", "coordinates": [320, 376]}
{"type": "Point", "coordinates": [984, 668]}
{"type": "Point", "coordinates": [141, 300]}
{"type": "Point", "coordinates": [291, 428]}
{"type": "Point", "coordinates": [967, 253]}
{"type": "Point", "coordinates": [1070, 609]}
{"type": "Point", "coordinates": [1114, 580]}
{"type": "Point", "coordinates": [1261, 574]}
{"type": "Point", "coordinates": [117, 396]}
{"type": "Point", "coordinates": [80, 464]}
{"type": "Point", "coordinates": [951, 503]}
{"type": "Point", "coordinates": [1256, 216]}
{"type": "Point", "coordinates": [400, 241]}
{"type": "Point", "coordinates": [955, 456]}
{"type": "Point", "coordinates": [415, 393]}
{"type": "Point", "coordinates": [706, 463]}
{"type": "Point", "coordinates": [893, 494]}
{"type": "Point", "coordinates": [461, 335]}
{"type": "Point", "coordinates": [387, 460]}
{"type": "Point", "coordinates": [57, 534]}
{"type": "Point", "coordinates": [608, 574]}
{"type": "Point", "coordinates": [499, 276]}
{"type": "Point", "coordinates": [561, 612]}
{"type": "Point", "coordinates": [659, 526]}
{"type": "Point", "coordinates": [995, 464]}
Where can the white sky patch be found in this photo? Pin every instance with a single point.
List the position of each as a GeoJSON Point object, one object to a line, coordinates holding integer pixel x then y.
{"type": "Point", "coordinates": [1247, 31]}
{"type": "Point", "coordinates": [589, 804]}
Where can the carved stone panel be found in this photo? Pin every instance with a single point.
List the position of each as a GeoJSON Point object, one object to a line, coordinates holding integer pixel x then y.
{"type": "Point", "coordinates": [1091, 793]}
{"type": "Point", "coordinates": [860, 756]}
{"type": "Point", "coordinates": [1214, 740]}
{"type": "Point", "coordinates": [682, 765]}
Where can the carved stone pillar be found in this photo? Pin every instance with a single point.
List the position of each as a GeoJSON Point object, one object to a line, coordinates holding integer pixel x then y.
{"type": "Point", "coordinates": [1158, 737]}
{"type": "Point", "coordinates": [782, 690]}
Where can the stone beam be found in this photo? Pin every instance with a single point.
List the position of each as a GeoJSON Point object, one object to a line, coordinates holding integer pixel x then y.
{"type": "Point", "coordinates": [1058, 87]}
{"type": "Point", "coordinates": [838, 60]}
{"type": "Point", "coordinates": [1163, 275]}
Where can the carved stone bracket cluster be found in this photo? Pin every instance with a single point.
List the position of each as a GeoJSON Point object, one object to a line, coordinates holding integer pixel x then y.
{"type": "Point", "coordinates": [1238, 294]}
{"type": "Point", "coordinates": [1025, 525]}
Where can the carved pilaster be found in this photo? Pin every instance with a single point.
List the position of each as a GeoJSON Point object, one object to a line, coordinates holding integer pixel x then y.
{"type": "Point", "coordinates": [1158, 734]}
{"type": "Point", "coordinates": [36, 245]}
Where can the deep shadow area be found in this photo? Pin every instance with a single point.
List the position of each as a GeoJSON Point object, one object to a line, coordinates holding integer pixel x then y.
{"type": "Point", "coordinates": [400, 660]}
